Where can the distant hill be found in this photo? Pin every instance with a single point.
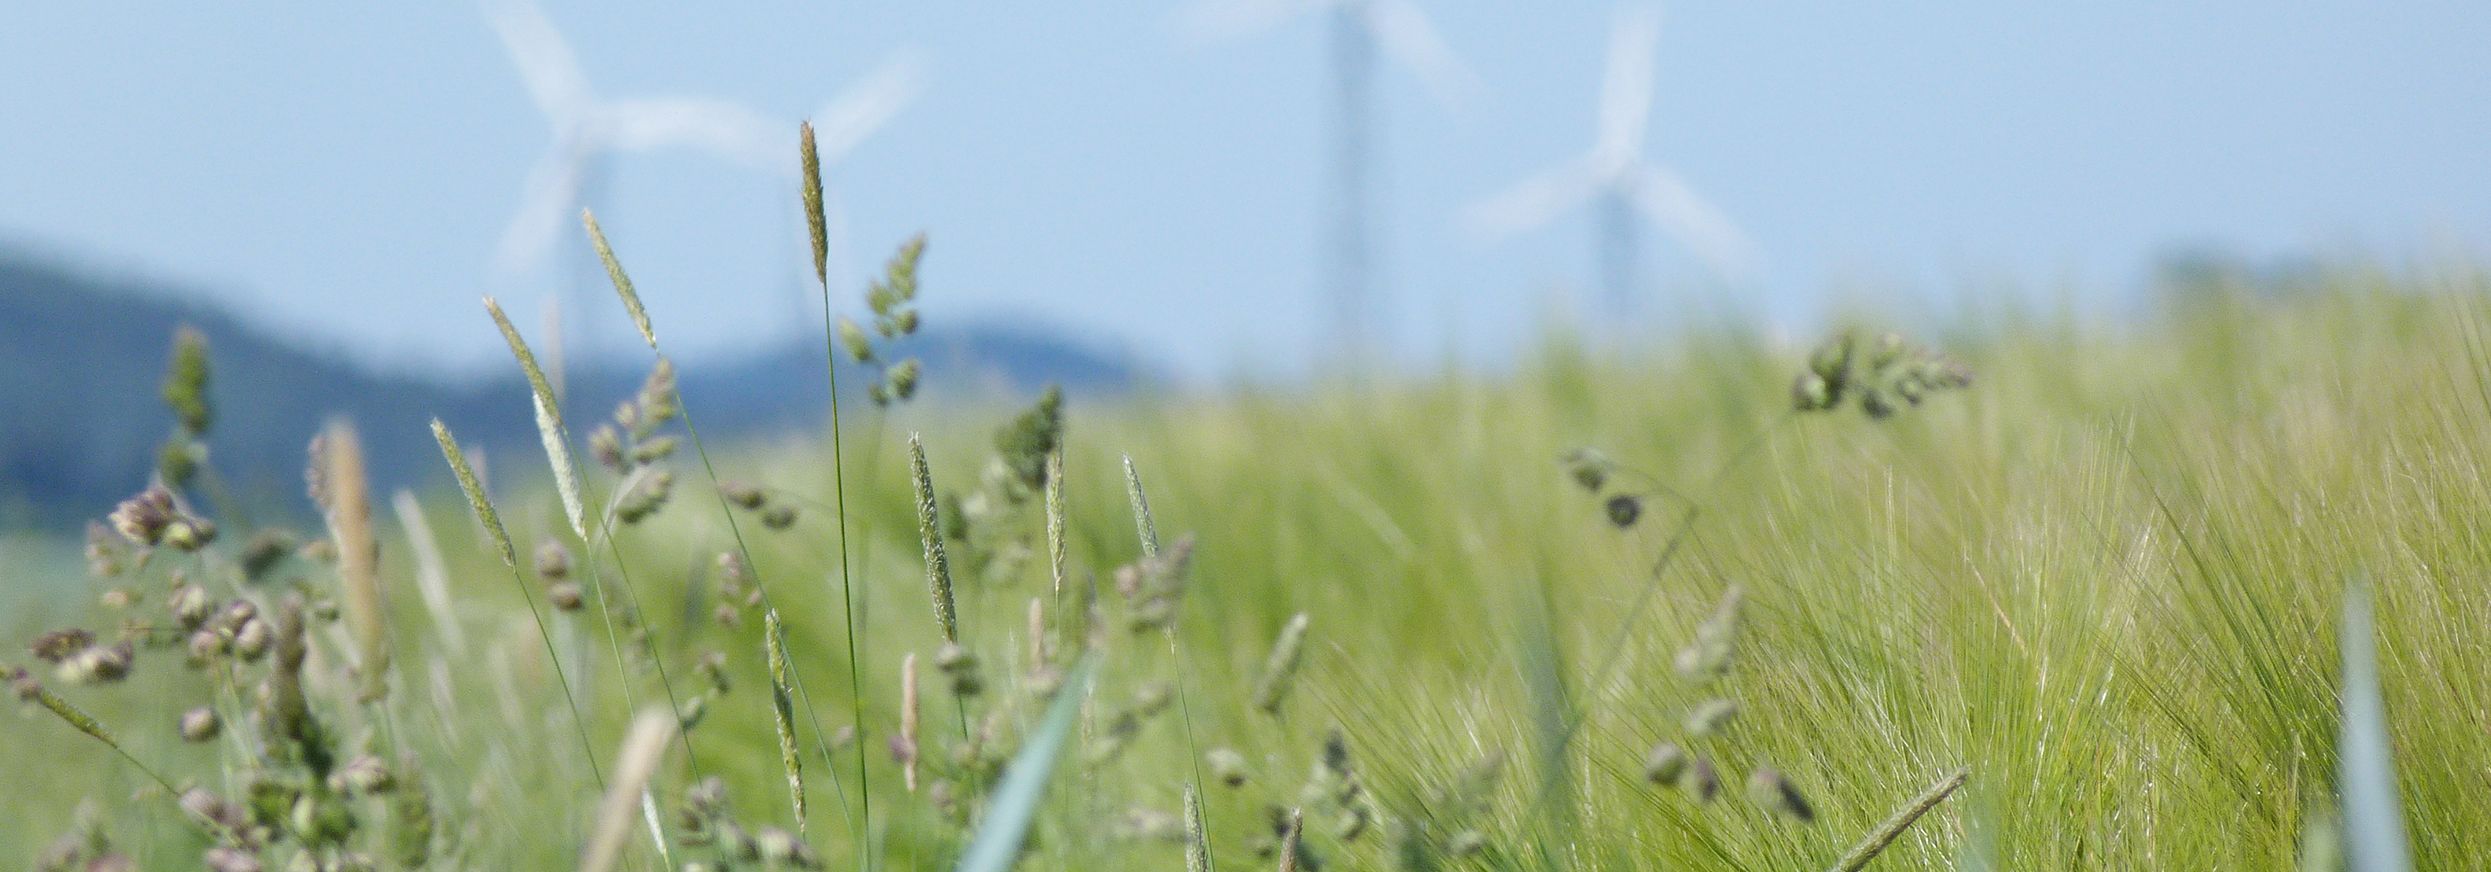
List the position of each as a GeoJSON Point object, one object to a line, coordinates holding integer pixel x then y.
{"type": "Point", "coordinates": [82, 358]}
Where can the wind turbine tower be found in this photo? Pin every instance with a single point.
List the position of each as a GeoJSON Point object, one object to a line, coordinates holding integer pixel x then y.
{"type": "Point", "coordinates": [1358, 30]}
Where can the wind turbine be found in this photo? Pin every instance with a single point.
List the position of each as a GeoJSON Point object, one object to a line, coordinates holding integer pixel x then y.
{"type": "Point", "coordinates": [588, 128]}
{"type": "Point", "coordinates": [1358, 29]}
{"type": "Point", "coordinates": [1620, 183]}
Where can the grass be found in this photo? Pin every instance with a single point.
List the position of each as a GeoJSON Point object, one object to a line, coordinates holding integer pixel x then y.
{"type": "Point", "coordinates": [2106, 580]}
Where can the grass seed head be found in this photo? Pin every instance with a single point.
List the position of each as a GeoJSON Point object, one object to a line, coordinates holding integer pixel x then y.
{"type": "Point", "coordinates": [930, 533]}
{"type": "Point", "coordinates": [1769, 789]}
{"type": "Point", "coordinates": [142, 519]}
{"type": "Point", "coordinates": [1699, 780]}
{"type": "Point", "coordinates": [817, 226]}
{"type": "Point", "coordinates": [1709, 716]}
{"type": "Point", "coordinates": [186, 382]}
{"type": "Point", "coordinates": [1666, 764]}
{"type": "Point", "coordinates": [1280, 668]}
{"type": "Point", "coordinates": [477, 501]}
{"type": "Point", "coordinates": [201, 724]}
{"type": "Point", "coordinates": [1227, 766]}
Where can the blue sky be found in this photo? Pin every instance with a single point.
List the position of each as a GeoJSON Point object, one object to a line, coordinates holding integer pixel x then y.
{"type": "Point", "coordinates": [345, 172]}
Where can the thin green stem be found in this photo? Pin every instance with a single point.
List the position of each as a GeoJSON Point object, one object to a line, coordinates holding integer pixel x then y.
{"type": "Point", "coordinates": [847, 581]}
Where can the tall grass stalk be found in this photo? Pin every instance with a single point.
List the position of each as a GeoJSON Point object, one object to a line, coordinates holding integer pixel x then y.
{"type": "Point", "coordinates": [817, 230]}
{"type": "Point", "coordinates": [1147, 529]}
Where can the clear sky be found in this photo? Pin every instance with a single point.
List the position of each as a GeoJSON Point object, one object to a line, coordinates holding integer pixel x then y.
{"type": "Point", "coordinates": [345, 170]}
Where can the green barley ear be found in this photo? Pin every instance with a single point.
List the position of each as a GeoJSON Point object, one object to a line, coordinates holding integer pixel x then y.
{"type": "Point", "coordinates": [622, 283]}
{"type": "Point", "coordinates": [929, 529]}
{"type": "Point", "coordinates": [783, 713]}
{"type": "Point", "coordinates": [1884, 835]}
{"type": "Point", "coordinates": [1280, 668]}
{"type": "Point", "coordinates": [816, 227]}
{"type": "Point", "coordinates": [549, 427]}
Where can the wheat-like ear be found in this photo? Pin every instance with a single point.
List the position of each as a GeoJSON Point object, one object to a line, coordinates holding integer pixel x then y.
{"type": "Point", "coordinates": [929, 529]}
{"type": "Point", "coordinates": [474, 489]}
{"type": "Point", "coordinates": [1055, 523]}
{"type": "Point", "coordinates": [348, 494]}
{"type": "Point", "coordinates": [1142, 523]}
{"type": "Point", "coordinates": [817, 229]}
{"type": "Point", "coordinates": [1197, 842]}
{"type": "Point", "coordinates": [549, 427]}
{"type": "Point", "coordinates": [622, 283]}
{"type": "Point", "coordinates": [482, 504]}
{"type": "Point", "coordinates": [643, 747]}
{"type": "Point", "coordinates": [783, 714]}
{"type": "Point", "coordinates": [1280, 669]}
{"type": "Point", "coordinates": [1290, 841]}
{"type": "Point", "coordinates": [1884, 835]}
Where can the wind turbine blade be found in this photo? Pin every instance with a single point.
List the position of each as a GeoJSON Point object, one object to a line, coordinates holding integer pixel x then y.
{"type": "Point", "coordinates": [865, 106]}
{"type": "Point", "coordinates": [1626, 86]}
{"type": "Point", "coordinates": [1532, 202]}
{"type": "Point", "coordinates": [545, 204]}
{"type": "Point", "coordinates": [1215, 20]}
{"type": "Point", "coordinates": [1695, 223]}
{"type": "Point", "coordinates": [1404, 33]}
{"type": "Point", "coordinates": [546, 65]}
{"type": "Point", "coordinates": [715, 126]}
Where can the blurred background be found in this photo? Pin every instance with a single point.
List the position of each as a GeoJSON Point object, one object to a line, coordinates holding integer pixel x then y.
{"type": "Point", "coordinates": [1179, 196]}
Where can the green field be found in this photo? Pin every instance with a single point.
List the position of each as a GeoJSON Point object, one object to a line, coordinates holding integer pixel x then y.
{"type": "Point", "coordinates": [2106, 579]}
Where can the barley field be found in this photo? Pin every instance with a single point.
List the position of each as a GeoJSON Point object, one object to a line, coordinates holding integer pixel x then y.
{"type": "Point", "coordinates": [1652, 608]}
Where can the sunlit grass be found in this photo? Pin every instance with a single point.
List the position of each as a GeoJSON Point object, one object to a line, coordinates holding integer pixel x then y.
{"type": "Point", "coordinates": [2106, 579]}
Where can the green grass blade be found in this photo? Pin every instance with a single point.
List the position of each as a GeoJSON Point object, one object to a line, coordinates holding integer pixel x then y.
{"type": "Point", "coordinates": [998, 842]}
{"type": "Point", "coordinates": [2374, 826]}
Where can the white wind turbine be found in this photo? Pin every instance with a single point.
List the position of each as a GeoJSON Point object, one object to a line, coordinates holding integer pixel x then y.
{"type": "Point", "coordinates": [1359, 28]}
{"type": "Point", "coordinates": [588, 128]}
{"type": "Point", "coordinates": [1628, 188]}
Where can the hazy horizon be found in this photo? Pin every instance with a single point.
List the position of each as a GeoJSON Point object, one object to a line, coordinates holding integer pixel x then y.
{"type": "Point", "coordinates": [345, 175]}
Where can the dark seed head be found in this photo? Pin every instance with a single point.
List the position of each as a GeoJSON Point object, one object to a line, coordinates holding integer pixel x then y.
{"type": "Point", "coordinates": [1624, 509]}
